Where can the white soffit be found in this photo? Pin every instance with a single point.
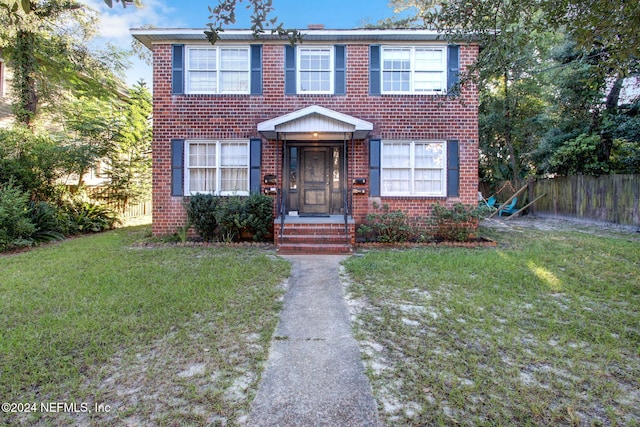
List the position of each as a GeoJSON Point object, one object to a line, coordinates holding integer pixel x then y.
{"type": "Point", "coordinates": [315, 119]}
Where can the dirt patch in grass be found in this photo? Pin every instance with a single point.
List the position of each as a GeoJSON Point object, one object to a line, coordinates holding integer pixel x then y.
{"type": "Point", "coordinates": [542, 330]}
{"type": "Point", "coordinates": [113, 334]}
{"type": "Point", "coordinates": [564, 224]}
{"type": "Point", "coordinates": [170, 381]}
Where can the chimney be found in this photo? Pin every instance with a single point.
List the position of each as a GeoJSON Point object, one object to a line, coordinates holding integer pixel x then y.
{"type": "Point", "coordinates": [315, 27]}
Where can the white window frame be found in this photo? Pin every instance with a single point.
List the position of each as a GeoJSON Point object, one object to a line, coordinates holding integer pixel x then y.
{"type": "Point", "coordinates": [411, 166]}
{"type": "Point", "coordinates": [414, 73]}
{"type": "Point", "coordinates": [218, 166]}
{"type": "Point", "coordinates": [299, 69]}
{"type": "Point", "coordinates": [217, 69]}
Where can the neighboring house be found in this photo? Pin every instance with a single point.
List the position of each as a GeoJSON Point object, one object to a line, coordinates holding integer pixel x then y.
{"type": "Point", "coordinates": [6, 111]}
{"type": "Point", "coordinates": [331, 127]}
{"type": "Point", "coordinates": [93, 177]}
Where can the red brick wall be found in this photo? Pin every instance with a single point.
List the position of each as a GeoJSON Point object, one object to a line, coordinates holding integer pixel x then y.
{"type": "Point", "coordinates": [237, 116]}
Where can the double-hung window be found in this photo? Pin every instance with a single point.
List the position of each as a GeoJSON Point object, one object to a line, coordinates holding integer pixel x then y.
{"type": "Point", "coordinates": [217, 167]}
{"type": "Point", "coordinates": [315, 69]}
{"type": "Point", "coordinates": [414, 70]}
{"type": "Point", "coordinates": [413, 168]}
{"type": "Point", "coordinates": [217, 69]}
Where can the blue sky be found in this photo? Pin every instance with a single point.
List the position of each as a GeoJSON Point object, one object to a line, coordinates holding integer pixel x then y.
{"type": "Point", "coordinates": [334, 14]}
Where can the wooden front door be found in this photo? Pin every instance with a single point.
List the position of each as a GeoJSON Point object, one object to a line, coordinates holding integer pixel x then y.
{"type": "Point", "coordinates": [315, 168]}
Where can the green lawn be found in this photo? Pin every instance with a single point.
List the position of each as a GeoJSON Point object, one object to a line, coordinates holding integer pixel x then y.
{"type": "Point", "coordinates": [543, 330]}
{"type": "Point", "coordinates": [157, 334]}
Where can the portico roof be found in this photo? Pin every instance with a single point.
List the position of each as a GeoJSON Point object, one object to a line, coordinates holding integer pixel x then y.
{"type": "Point", "coordinates": [315, 122]}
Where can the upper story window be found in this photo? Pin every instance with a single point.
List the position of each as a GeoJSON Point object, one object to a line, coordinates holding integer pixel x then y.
{"type": "Point", "coordinates": [217, 69]}
{"type": "Point", "coordinates": [414, 70]}
{"type": "Point", "coordinates": [315, 69]}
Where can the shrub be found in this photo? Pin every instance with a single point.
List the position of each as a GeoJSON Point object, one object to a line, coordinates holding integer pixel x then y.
{"type": "Point", "coordinates": [78, 214]}
{"type": "Point", "coordinates": [201, 212]}
{"type": "Point", "coordinates": [455, 224]}
{"type": "Point", "coordinates": [45, 219]}
{"type": "Point", "coordinates": [258, 216]}
{"type": "Point", "coordinates": [91, 217]}
{"type": "Point", "coordinates": [387, 226]}
{"type": "Point", "coordinates": [16, 227]}
{"type": "Point", "coordinates": [224, 218]}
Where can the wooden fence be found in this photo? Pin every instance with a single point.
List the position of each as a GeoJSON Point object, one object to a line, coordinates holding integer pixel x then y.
{"type": "Point", "coordinates": [132, 211]}
{"type": "Point", "coordinates": [608, 198]}
{"type": "Point", "coordinates": [135, 211]}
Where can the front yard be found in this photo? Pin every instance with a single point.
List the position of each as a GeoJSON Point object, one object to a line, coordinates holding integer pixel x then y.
{"type": "Point", "coordinates": [163, 336]}
{"type": "Point", "coordinates": [544, 330]}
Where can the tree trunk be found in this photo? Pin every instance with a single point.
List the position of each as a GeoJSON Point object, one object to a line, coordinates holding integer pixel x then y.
{"type": "Point", "coordinates": [606, 134]}
{"type": "Point", "coordinates": [24, 80]}
{"type": "Point", "coordinates": [508, 137]}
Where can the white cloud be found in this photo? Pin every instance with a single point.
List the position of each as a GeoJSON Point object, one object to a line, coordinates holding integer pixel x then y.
{"type": "Point", "coordinates": [116, 22]}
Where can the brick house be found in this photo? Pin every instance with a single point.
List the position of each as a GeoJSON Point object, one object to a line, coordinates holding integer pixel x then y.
{"type": "Point", "coordinates": [329, 127]}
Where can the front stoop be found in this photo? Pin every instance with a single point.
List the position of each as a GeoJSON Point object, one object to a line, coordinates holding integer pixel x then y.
{"type": "Point", "coordinates": [313, 236]}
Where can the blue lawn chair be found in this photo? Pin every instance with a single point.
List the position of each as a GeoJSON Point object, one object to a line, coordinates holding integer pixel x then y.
{"type": "Point", "coordinates": [509, 210]}
{"type": "Point", "coordinates": [490, 202]}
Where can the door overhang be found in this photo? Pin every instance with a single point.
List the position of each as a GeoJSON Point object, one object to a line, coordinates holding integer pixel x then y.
{"type": "Point", "coordinates": [315, 123]}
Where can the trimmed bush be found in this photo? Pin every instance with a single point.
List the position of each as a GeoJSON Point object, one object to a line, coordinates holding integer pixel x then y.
{"type": "Point", "coordinates": [455, 224]}
{"type": "Point", "coordinates": [223, 218]}
{"type": "Point", "coordinates": [451, 224]}
{"type": "Point", "coordinates": [387, 226]}
{"type": "Point", "coordinates": [201, 212]}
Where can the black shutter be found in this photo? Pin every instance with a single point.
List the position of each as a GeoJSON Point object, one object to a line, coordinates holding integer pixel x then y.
{"type": "Point", "coordinates": [453, 169]}
{"type": "Point", "coordinates": [256, 69]}
{"type": "Point", "coordinates": [177, 167]}
{"type": "Point", "coordinates": [289, 70]}
{"type": "Point", "coordinates": [374, 167]}
{"type": "Point", "coordinates": [453, 69]}
{"type": "Point", "coordinates": [375, 79]}
{"type": "Point", "coordinates": [177, 69]}
{"type": "Point", "coordinates": [340, 78]}
{"type": "Point", "coordinates": [255, 160]}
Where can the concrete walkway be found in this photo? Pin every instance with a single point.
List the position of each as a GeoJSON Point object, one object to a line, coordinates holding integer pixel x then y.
{"type": "Point", "coordinates": [314, 375]}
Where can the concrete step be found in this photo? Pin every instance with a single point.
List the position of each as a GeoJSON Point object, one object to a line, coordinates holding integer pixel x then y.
{"type": "Point", "coordinates": [314, 238]}
{"type": "Point", "coordinates": [314, 248]}
{"type": "Point", "coordinates": [317, 239]}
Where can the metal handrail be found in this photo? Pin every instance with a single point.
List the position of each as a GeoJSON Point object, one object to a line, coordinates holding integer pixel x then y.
{"type": "Point", "coordinates": [346, 212]}
{"type": "Point", "coordinates": [281, 211]}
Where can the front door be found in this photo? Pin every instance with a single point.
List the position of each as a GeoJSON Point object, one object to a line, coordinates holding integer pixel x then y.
{"type": "Point", "coordinates": [315, 166]}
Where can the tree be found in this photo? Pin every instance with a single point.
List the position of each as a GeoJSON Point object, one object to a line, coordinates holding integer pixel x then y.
{"type": "Point", "coordinates": [27, 6]}
{"type": "Point", "coordinates": [45, 44]}
{"type": "Point", "coordinates": [589, 126]}
{"type": "Point", "coordinates": [30, 160]}
{"type": "Point", "coordinates": [90, 132]}
{"type": "Point", "coordinates": [225, 14]}
{"type": "Point", "coordinates": [515, 36]}
{"type": "Point", "coordinates": [129, 162]}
